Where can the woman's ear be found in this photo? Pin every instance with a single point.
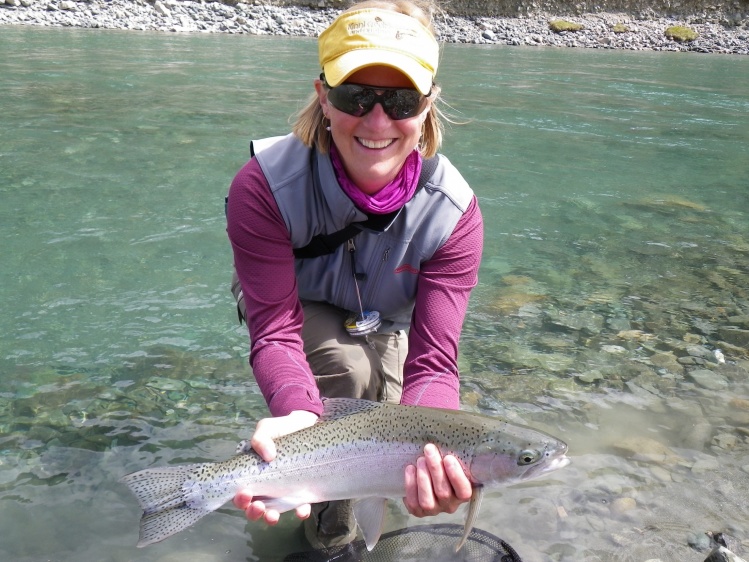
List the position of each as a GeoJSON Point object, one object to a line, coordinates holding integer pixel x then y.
{"type": "Point", "coordinates": [322, 95]}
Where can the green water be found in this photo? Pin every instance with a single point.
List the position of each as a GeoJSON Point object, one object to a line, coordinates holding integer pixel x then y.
{"type": "Point", "coordinates": [615, 189]}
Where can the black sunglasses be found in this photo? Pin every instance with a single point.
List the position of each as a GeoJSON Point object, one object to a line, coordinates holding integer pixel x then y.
{"type": "Point", "coordinates": [359, 99]}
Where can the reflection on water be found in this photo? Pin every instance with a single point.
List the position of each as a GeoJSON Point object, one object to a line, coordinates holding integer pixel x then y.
{"type": "Point", "coordinates": [612, 309]}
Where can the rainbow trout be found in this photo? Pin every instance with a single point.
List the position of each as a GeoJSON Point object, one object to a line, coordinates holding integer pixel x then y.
{"type": "Point", "coordinates": [357, 450]}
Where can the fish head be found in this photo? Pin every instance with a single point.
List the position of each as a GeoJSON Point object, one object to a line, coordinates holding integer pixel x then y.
{"type": "Point", "coordinates": [516, 454]}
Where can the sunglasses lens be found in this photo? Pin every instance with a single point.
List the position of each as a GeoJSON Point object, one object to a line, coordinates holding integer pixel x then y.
{"type": "Point", "coordinates": [398, 103]}
{"type": "Point", "coordinates": [352, 99]}
{"type": "Point", "coordinates": [402, 104]}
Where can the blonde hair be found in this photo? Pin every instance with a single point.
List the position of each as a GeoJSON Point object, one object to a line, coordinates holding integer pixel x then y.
{"type": "Point", "coordinates": [310, 125]}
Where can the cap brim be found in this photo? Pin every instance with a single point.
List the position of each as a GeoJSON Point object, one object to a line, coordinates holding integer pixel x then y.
{"type": "Point", "coordinates": [339, 69]}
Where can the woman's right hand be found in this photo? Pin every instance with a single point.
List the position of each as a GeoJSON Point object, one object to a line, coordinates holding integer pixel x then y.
{"type": "Point", "coordinates": [262, 443]}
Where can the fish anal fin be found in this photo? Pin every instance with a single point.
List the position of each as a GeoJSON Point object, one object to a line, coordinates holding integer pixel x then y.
{"type": "Point", "coordinates": [473, 511]}
{"type": "Point", "coordinates": [370, 516]}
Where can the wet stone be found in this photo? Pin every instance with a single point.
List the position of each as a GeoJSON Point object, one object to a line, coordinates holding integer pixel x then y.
{"type": "Point", "coordinates": [700, 351]}
{"type": "Point", "coordinates": [584, 321]}
{"type": "Point", "coordinates": [590, 377]}
{"type": "Point", "coordinates": [722, 554]}
{"type": "Point", "coordinates": [687, 360]}
{"type": "Point", "coordinates": [619, 324]}
{"type": "Point", "coordinates": [725, 441]}
{"type": "Point", "coordinates": [660, 474]}
{"type": "Point", "coordinates": [735, 336]}
{"type": "Point", "coordinates": [697, 436]}
{"type": "Point", "coordinates": [740, 321]}
{"type": "Point", "coordinates": [164, 384]}
{"type": "Point", "coordinates": [739, 403]}
{"type": "Point", "coordinates": [667, 361]}
{"type": "Point", "coordinates": [646, 449]}
{"type": "Point", "coordinates": [622, 505]}
{"type": "Point", "coordinates": [699, 541]}
{"type": "Point", "coordinates": [707, 379]}
{"type": "Point", "coordinates": [705, 464]}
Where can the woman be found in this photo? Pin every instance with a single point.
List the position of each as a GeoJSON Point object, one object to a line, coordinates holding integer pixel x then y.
{"type": "Point", "coordinates": [372, 310]}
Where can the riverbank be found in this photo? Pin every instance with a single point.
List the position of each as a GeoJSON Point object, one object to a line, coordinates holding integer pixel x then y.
{"type": "Point", "coordinates": [599, 31]}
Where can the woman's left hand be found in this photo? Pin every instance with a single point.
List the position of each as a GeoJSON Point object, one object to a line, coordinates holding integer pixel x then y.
{"type": "Point", "coordinates": [436, 485]}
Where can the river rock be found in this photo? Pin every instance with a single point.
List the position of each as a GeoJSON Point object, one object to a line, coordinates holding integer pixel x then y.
{"type": "Point", "coordinates": [234, 16]}
{"type": "Point", "coordinates": [735, 336]}
{"type": "Point", "coordinates": [740, 321]}
{"type": "Point", "coordinates": [646, 449]}
{"type": "Point", "coordinates": [696, 436]}
{"type": "Point", "coordinates": [585, 321]}
{"type": "Point", "coordinates": [722, 554]}
{"type": "Point", "coordinates": [667, 361]}
{"type": "Point", "coordinates": [725, 441]}
{"type": "Point", "coordinates": [705, 464]}
{"type": "Point", "coordinates": [622, 505]}
{"type": "Point", "coordinates": [707, 379]}
{"type": "Point", "coordinates": [700, 351]}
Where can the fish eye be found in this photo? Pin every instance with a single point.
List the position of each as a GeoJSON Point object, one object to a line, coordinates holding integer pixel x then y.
{"type": "Point", "coordinates": [528, 456]}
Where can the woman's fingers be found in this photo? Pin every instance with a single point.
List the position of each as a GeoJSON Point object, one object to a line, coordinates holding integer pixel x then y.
{"type": "Point", "coordinates": [269, 429]}
{"type": "Point", "coordinates": [435, 485]}
{"type": "Point", "coordinates": [459, 482]}
{"type": "Point", "coordinates": [262, 443]}
{"type": "Point", "coordinates": [303, 511]}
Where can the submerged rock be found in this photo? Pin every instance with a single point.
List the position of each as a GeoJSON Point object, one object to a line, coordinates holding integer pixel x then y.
{"type": "Point", "coordinates": [708, 379]}
{"type": "Point", "coordinates": [722, 554]}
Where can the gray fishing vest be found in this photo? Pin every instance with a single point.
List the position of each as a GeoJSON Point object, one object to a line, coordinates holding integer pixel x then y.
{"type": "Point", "coordinates": [311, 203]}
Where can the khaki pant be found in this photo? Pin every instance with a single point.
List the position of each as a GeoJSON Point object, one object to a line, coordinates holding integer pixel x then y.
{"type": "Point", "coordinates": [347, 367]}
{"type": "Point", "coordinates": [344, 367]}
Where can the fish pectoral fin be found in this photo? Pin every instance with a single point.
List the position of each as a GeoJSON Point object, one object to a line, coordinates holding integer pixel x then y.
{"type": "Point", "coordinates": [370, 516]}
{"type": "Point", "coordinates": [473, 511]}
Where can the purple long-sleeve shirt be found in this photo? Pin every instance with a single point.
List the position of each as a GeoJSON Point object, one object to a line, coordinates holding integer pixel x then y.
{"type": "Point", "coordinates": [264, 261]}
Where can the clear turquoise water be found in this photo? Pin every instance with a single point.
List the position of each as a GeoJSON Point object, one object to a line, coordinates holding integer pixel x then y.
{"type": "Point", "coordinates": [614, 184]}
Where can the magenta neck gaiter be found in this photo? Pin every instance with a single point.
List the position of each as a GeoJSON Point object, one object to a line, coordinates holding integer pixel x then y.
{"type": "Point", "coordinates": [391, 197]}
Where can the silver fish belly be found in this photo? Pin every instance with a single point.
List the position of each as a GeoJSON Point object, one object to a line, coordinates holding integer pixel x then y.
{"type": "Point", "coordinates": [357, 450]}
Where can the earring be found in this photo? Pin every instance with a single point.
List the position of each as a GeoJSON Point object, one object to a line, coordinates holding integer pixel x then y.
{"type": "Point", "coordinates": [324, 117]}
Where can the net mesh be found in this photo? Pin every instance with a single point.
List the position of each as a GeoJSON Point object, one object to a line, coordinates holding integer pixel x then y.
{"type": "Point", "coordinates": [435, 543]}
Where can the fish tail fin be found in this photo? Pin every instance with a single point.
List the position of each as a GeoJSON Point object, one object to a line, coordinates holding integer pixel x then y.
{"type": "Point", "coordinates": [155, 527]}
{"type": "Point", "coordinates": [164, 496]}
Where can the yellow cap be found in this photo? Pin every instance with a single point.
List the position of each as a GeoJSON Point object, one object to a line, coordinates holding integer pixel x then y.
{"type": "Point", "coordinates": [372, 37]}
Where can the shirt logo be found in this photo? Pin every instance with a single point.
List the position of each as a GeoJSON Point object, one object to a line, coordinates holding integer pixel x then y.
{"type": "Point", "coordinates": [406, 268]}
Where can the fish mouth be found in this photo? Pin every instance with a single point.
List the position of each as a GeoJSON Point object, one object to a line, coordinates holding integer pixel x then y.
{"type": "Point", "coordinates": [559, 462]}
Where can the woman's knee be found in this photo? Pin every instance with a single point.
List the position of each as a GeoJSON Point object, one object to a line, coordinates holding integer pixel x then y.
{"type": "Point", "coordinates": [345, 370]}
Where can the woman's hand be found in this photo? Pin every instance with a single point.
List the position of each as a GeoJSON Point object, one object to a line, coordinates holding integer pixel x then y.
{"type": "Point", "coordinates": [436, 485]}
{"type": "Point", "coordinates": [262, 443]}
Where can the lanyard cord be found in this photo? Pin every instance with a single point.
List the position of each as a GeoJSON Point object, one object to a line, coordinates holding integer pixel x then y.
{"type": "Point", "coordinates": [351, 247]}
{"type": "Point", "coordinates": [352, 252]}
{"type": "Point", "coordinates": [365, 318]}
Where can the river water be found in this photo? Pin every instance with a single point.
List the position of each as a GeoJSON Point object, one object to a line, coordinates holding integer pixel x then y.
{"type": "Point", "coordinates": [615, 189]}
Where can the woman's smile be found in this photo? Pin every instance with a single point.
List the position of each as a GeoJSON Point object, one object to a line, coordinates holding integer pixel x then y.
{"type": "Point", "coordinates": [373, 147]}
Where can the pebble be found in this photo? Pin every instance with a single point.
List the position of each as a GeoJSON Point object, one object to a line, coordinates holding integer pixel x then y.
{"type": "Point", "coordinates": [705, 464]}
{"type": "Point", "coordinates": [622, 505]}
{"type": "Point", "coordinates": [715, 36]}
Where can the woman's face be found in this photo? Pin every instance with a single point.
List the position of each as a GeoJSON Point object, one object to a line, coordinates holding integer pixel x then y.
{"type": "Point", "coordinates": [373, 147]}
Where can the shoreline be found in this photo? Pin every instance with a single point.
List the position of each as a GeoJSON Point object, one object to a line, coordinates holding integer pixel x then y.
{"type": "Point", "coordinates": [530, 30]}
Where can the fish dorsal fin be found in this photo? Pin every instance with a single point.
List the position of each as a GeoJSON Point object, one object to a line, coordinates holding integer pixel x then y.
{"type": "Point", "coordinates": [473, 511]}
{"type": "Point", "coordinates": [337, 408]}
{"type": "Point", "coordinates": [370, 516]}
